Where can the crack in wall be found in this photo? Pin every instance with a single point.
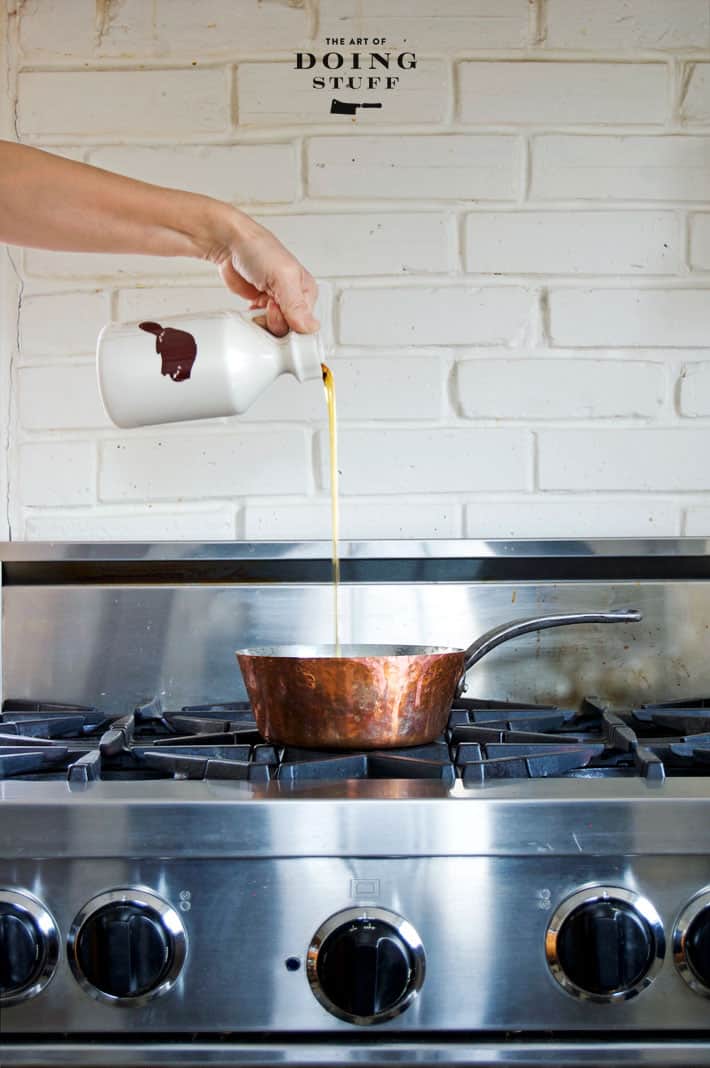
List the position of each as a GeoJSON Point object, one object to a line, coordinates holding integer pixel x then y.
{"type": "Point", "coordinates": [538, 22]}
{"type": "Point", "coordinates": [687, 71]}
{"type": "Point", "coordinates": [13, 14]}
{"type": "Point", "coordinates": [14, 293]}
{"type": "Point", "coordinates": [106, 12]}
{"type": "Point", "coordinates": [9, 405]}
{"type": "Point", "coordinates": [313, 9]}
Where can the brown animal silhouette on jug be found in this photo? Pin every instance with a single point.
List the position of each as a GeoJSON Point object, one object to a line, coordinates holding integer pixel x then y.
{"type": "Point", "coordinates": [177, 350]}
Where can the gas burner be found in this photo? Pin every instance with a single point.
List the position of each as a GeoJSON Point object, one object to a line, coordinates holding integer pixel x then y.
{"type": "Point", "coordinates": [54, 741]}
{"type": "Point", "coordinates": [484, 742]}
{"type": "Point", "coordinates": [419, 762]}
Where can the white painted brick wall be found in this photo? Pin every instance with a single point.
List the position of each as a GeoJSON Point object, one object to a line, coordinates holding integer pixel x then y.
{"type": "Point", "coordinates": [695, 104]}
{"type": "Point", "coordinates": [368, 519]}
{"type": "Point", "coordinates": [62, 324]}
{"type": "Point", "coordinates": [513, 256]}
{"type": "Point", "coordinates": [694, 392]}
{"type": "Point", "coordinates": [223, 26]}
{"type": "Point", "coordinates": [452, 166]}
{"type": "Point", "coordinates": [673, 168]}
{"type": "Point", "coordinates": [530, 388]}
{"type": "Point", "coordinates": [149, 522]}
{"type": "Point", "coordinates": [57, 473]}
{"type": "Point", "coordinates": [55, 29]}
{"type": "Point", "coordinates": [562, 94]}
{"type": "Point", "coordinates": [447, 25]}
{"type": "Point", "coordinates": [211, 465]}
{"type": "Point", "coordinates": [241, 174]}
{"type": "Point", "coordinates": [386, 387]}
{"type": "Point", "coordinates": [572, 517]}
{"type": "Point", "coordinates": [620, 24]}
{"type": "Point", "coordinates": [453, 315]}
{"type": "Point", "coordinates": [63, 396]}
{"type": "Point", "coordinates": [632, 460]}
{"type": "Point", "coordinates": [166, 103]}
{"type": "Point", "coordinates": [595, 318]}
{"type": "Point", "coordinates": [85, 266]}
{"type": "Point", "coordinates": [697, 522]}
{"type": "Point", "coordinates": [699, 224]}
{"type": "Point", "coordinates": [73, 29]}
{"type": "Point", "coordinates": [573, 242]}
{"type": "Point", "coordinates": [158, 302]}
{"type": "Point", "coordinates": [405, 461]}
{"type": "Point", "coordinates": [362, 244]}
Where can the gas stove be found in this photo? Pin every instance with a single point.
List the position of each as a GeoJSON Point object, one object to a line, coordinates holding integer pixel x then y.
{"type": "Point", "coordinates": [485, 741]}
{"type": "Point", "coordinates": [533, 887]}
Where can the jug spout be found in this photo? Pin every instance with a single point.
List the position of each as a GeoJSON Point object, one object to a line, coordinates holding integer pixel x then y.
{"type": "Point", "coordinates": [304, 355]}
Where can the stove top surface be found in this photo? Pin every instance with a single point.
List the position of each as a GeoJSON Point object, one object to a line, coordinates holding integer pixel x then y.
{"type": "Point", "coordinates": [485, 742]}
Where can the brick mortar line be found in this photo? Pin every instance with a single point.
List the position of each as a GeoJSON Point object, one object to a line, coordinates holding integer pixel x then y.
{"type": "Point", "coordinates": [45, 62]}
{"type": "Point", "coordinates": [322, 500]}
{"type": "Point", "coordinates": [301, 147]}
{"type": "Point", "coordinates": [670, 283]}
{"type": "Point", "coordinates": [467, 497]}
{"type": "Point", "coordinates": [556, 494]}
{"type": "Point", "coordinates": [618, 355]}
{"type": "Point", "coordinates": [283, 132]}
{"type": "Point", "coordinates": [436, 206]}
{"type": "Point", "coordinates": [106, 436]}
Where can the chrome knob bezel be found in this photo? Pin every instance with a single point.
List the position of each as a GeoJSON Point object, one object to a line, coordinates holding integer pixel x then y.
{"type": "Point", "coordinates": [46, 927]}
{"type": "Point", "coordinates": [697, 904]}
{"type": "Point", "coordinates": [141, 898]}
{"type": "Point", "coordinates": [591, 895]}
{"type": "Point", "coordinates": [404, 930]}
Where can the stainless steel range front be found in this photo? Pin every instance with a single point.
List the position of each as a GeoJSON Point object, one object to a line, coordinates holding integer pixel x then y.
{"type": "Point", "coordinates": [533, 887]}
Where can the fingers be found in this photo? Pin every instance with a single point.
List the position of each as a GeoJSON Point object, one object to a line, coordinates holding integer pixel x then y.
{"type": "Point", "coordinates": [297, 314]}
{"type": "Point", "coordinates": [276, 322]}
{"type": "Point", "coordinates": [295, 292]}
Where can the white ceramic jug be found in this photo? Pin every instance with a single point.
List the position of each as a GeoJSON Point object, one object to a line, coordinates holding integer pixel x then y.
{"type": "Point", "coordinates": [195, 366]}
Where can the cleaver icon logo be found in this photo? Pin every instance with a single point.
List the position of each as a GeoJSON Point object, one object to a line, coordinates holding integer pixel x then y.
{"type": "Point", "coordinates": [340, 107]}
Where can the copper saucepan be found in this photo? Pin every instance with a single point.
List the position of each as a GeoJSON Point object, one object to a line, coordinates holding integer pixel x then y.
{"type": "Point", "coordinates": [373, 696]}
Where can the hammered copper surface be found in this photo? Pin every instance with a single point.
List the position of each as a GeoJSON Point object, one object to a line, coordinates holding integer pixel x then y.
{"type": "Point", "coordinates": [346, 702]}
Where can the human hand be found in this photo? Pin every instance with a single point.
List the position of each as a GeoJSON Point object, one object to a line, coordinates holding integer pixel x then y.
{"type": "Point", "coordinates": [254, 264]}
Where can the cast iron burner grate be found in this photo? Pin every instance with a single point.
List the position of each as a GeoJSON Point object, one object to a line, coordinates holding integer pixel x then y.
{"type": "Point", "coordinates": [484, 741]}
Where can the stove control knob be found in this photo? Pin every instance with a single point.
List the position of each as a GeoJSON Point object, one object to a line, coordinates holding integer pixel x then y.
{"type": "Point", "coordinates": [605, 943]}
{"type": "Point", "coordinates": [366, 965]}
{"type": "Point", "coordinates": [691, 943]}
{"type": "Point", "coordinates": [29, 947]}
{"type": "Point", "coordinates": [127, 947]}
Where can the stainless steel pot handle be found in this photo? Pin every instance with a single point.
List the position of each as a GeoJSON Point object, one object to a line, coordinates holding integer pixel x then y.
{"type": "Point", "coordinates": [505, 631]}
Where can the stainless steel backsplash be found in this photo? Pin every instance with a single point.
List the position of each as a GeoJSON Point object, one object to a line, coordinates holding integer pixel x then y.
{"type": "Point", "coordinates": [113, 625]}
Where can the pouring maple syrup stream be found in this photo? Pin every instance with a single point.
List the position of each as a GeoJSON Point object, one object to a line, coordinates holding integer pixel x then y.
{"type": "Point", "coordinates": [329, 384]}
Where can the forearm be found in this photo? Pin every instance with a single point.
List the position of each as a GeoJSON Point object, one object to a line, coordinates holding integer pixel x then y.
{"type": "Point", "coordinates": [54, 203]}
